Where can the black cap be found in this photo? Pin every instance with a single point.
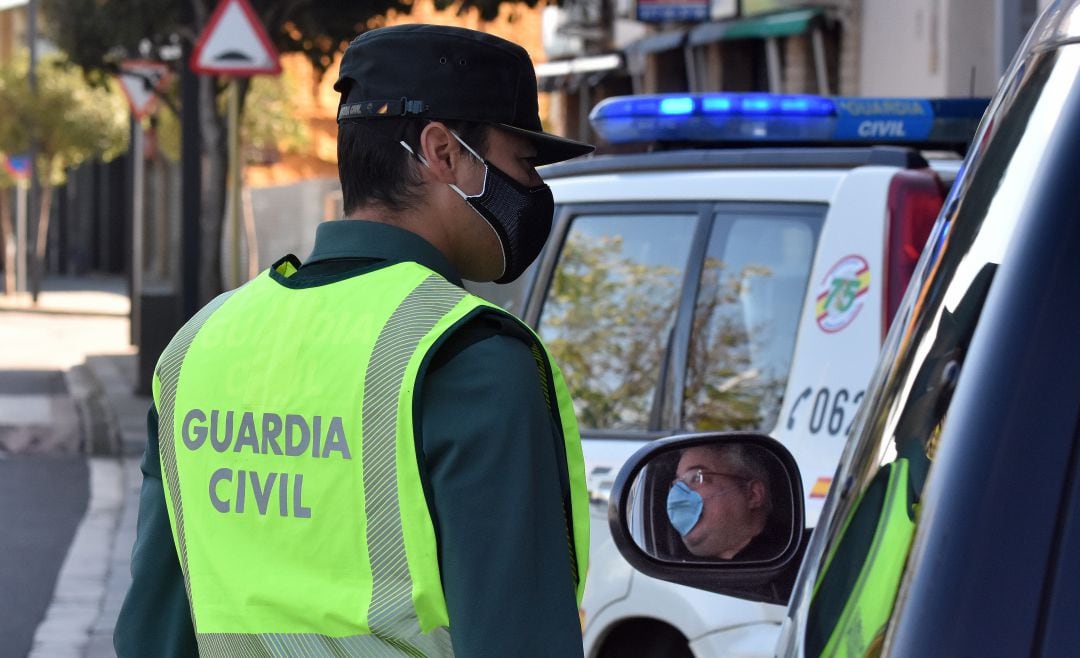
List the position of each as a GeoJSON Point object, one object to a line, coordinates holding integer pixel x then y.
{"type": "Point", "coordinates": [447, 73]}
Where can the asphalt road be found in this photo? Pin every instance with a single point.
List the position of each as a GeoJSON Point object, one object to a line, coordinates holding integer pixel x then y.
{"type": "Point", "coordinates": [42, 500]}
{"type": "Point", "coordinates": [44, 474]}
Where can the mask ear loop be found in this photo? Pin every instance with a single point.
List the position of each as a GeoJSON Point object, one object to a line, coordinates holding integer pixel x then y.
{"type": "Point", "coordinates": [414, 153]}
{"type": "Point", "coordinates": [454, 187]}
{"type": "Point", "coordinates": [478, 159]}
{"type": "Point", "coordinates": [467, 147]}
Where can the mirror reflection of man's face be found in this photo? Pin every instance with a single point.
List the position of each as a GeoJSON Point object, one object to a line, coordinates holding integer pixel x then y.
{"type": "Point", "coordinates": [734, 508]}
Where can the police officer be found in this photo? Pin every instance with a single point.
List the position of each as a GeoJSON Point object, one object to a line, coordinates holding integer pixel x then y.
{"type": "Point", "coordinates": [352, 455]}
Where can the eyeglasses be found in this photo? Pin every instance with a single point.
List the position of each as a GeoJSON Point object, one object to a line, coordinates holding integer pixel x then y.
{"type": "Point", "coordinates": [697, 478]}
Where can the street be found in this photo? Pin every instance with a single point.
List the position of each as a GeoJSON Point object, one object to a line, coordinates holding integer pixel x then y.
{"type": "Point", "coordinates": [42, 500]}
{"type": "Point", "coordinates": [46, 491]}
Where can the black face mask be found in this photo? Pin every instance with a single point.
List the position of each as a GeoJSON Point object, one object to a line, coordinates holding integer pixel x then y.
{"type": "Point", "coordinates": [520, 216]}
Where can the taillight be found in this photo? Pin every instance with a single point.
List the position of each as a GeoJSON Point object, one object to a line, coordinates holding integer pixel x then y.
{"type": "Point", "coordinates": [915, 199]}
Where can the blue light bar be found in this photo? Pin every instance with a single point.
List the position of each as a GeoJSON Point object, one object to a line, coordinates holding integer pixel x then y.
{"type": "Point", "coordinates": [791, 118]}
{"type": "Point", "coordinates": [677, 105]}
{"type": "Point", "coordinates": [758, 106]}
{"type": "Point", "coordinates": [711, 104]}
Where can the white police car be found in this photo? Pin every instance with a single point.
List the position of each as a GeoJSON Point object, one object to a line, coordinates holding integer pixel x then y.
{"type": "Point", "coordinates": [740, 275]}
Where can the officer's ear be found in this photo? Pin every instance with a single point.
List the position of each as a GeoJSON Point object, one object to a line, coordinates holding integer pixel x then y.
{"type": "Point", "coordinates": [444, 155]}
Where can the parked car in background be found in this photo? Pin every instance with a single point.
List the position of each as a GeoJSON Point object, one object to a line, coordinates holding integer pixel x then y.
{"type": "Point", "coordinates": [953, 526]}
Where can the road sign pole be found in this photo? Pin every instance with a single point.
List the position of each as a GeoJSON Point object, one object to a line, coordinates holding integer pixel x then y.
{"type": "Point", "coordinates": [191, 188]}
{"type": "Point", "coordinates": [235, 181]}
{"type": "Point", "coordinates": [33, 199]}
{"type": "Point", "coordinates": [138, 190]}
{"type": "Point", "coordinates": [20, 236]}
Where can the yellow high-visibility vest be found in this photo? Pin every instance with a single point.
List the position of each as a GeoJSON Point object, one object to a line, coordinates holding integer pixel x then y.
{"type": "Point", "coordinates": [860, 630]}
{"type": "Point", "coordinates": [289, 461]}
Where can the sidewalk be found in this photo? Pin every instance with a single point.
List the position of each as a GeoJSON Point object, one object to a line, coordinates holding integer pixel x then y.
{"type": "Point", "coordinates": [93, 295]}
{"type": "Point", "coordinates": [95, 574]}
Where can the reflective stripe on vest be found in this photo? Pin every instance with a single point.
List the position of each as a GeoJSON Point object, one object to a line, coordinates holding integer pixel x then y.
{"type": "Point", "coordinates": [861, 626]}
{"type": "Point", "coordinates": [278, 558]}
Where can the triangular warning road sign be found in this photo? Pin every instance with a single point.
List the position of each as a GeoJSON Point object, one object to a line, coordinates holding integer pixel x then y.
{"type": "Point", "coordinates": [234, 42]}
{"type": "Point", "coordinates": [141, 80]}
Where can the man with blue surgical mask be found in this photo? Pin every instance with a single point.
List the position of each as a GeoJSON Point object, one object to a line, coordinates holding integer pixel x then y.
{"type": "Point", "coordinates": [404, 475]}
{"type": "Point", "coordinates": [720, 501]}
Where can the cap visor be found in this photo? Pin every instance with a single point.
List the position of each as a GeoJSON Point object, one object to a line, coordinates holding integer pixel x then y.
{"type": "Point", "coordinates": [550, 148]}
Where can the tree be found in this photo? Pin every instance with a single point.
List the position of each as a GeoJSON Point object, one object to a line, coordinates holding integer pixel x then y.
{"type": "Point", "coordinates": [98, 34]}
{"type": "Point", "coordinates": [275, 127]}
{"type": "Point", "coordinates": [727, 388]}
{"type": "Point", "coordinates": [606, 323]}
{"type": "Point", "coordinates": [67, 120]}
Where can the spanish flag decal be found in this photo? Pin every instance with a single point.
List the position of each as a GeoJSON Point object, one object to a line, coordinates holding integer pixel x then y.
{"type": "Point", "coordinates": [821, 488]}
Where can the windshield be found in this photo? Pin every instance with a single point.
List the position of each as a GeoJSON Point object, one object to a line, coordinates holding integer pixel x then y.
{"type": "Point", "coordinates": [858, 556]}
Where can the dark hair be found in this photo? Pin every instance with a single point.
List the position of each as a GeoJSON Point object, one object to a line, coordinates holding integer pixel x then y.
{"type": "Point", "coordinates": [374, 168]}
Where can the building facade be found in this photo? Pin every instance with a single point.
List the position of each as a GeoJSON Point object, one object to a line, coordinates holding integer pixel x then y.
{"type": "Point", "coordinates": [936, 48]}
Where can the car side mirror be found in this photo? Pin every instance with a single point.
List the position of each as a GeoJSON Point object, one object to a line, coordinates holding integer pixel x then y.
{"type": "Point", "coordinates": [721, 512]}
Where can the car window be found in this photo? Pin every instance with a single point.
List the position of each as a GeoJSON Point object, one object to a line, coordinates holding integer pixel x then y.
{"type": "Point", "coordinates": [610, 308]}
{"type": "Point", "coordinates": [749, 301]}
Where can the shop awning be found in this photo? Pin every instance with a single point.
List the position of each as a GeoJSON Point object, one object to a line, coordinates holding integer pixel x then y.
{"type": "Point", "coordinates": [781, 24]}
{"type": "Point", "coordinates": [572, 73]}
{"type": "Point", "coordinates": [669, 40]}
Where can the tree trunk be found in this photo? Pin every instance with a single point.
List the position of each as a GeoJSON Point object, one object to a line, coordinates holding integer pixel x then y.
{"type": "Point", "coordinates": [42, 238]}
{"type": "Point", "coordinates": [7, 237]}
{"type": "Point", "coordinates": [215, 147]}
{"type": "Point", "coordinates": [215, 159]}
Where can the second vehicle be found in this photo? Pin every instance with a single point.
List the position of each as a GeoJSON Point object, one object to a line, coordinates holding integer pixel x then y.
{"type": "Point", "coordinates": [740, 275]}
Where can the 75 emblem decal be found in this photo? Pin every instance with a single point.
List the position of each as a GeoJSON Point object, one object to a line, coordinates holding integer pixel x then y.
{"type": "Point", "coordinates": [840, 294]}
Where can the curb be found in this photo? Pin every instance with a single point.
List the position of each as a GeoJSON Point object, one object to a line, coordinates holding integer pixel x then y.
{"type": "Point", "coordinates": [95, 576]}
{"type": "Point", "coordinates": [80, 592]}
{"type": "Point", "coordinates": [99, 430]}
{"type": "Point", "coordinates": [61, 311]}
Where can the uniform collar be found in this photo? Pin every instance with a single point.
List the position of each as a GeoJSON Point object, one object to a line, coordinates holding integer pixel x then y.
{"type": "Point", "coordinates": [357, 238]}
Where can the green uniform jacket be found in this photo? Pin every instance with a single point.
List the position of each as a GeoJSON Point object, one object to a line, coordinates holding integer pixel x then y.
{"type": "Point", "coordinates": [497, 503]}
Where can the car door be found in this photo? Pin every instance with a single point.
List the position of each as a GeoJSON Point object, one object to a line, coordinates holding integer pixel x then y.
{"type": "Point", "coordinates": [948, 530]}
{"type": "Point", "coordinates": [664, 316]}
